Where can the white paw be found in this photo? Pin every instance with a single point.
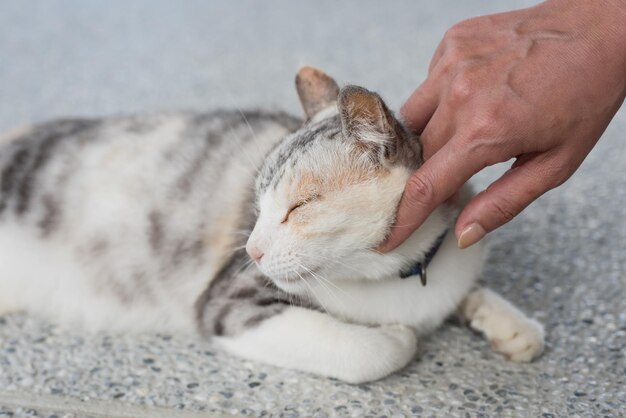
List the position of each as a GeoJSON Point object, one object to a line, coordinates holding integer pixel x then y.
{"type": "Point", "coordinates": [510, 333]}
{"type": "Point", "coordinates": [403, 345]}
{"type": "Point", "coordinates": [404, 337]}
{"type": "Point", "coordinates": [389, 348]}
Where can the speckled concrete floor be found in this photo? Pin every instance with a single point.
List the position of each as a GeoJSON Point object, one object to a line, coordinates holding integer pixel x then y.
{"type": "Point", "coordinates": [563, 260]}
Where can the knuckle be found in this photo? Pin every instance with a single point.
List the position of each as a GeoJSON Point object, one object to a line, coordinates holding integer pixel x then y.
{"type": "Point", "coordinates": [445, 66]}
{"type": "Point", "coordinates": [504, 209]}
{"type": "Point", "coordinates": [477, 130]}
{"type": "Point", "coordinates": [458, 30]}
{"type": "Point", "coordinates": [484, 124]}
{"type": "Point", "coordinates": [489, 112]}
{"type": "Point", "coordinates": [484, 135]}
{"type": "Point", "coordinates": [453, 32]}
{"type": "Point", "coordinates": [462, 88]}
{"type": "Point", "coordinates": [482, 147]}
{"type": "Point", "coordinates": [556, 172]}
{"type": "Point", "coordinates": [419, 190]}
{"type": "Point", "coordinates": [454, 50]}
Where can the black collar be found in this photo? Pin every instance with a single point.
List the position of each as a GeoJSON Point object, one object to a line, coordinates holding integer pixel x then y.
{"type": "Point", "coordinates": [419, 267]}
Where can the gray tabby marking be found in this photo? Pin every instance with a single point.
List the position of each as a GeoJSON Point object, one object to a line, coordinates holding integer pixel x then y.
{"type": "Point", "coordinates": [155, 232]}
{"type": "Point", "coordinates": [295, 147]}
{"type": "Point", "coordinates": [40, 169]}
{"type": "Point", "coordinates": [50, 219]}
{"type": "Point", "coordinates": [19, 177]}
{"type": "Point", "coordinates": [235, 300]}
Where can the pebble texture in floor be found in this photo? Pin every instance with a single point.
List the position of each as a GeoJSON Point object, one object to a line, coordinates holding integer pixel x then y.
{"type": "Point", "coordinates": [563, 260]}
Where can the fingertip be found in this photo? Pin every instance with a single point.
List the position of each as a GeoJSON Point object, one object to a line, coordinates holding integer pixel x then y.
{"type": "Point", "coordinates": [408, 219]}
{"type": "Point", "coordinates": [470, 235]}
{"type": "Point", "coordinates": [395, 237]}
{"type": "Point", "coordinates": [386, 246]}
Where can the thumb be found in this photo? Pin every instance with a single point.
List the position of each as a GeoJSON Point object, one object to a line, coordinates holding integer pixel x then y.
{"type": "Point", "coordinates": [433, 183]}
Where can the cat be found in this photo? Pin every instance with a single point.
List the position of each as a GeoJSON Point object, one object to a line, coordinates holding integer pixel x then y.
{"type": "Point", "coordinates": [141, 223]}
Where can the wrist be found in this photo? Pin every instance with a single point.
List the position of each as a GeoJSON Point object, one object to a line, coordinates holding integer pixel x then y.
{"type": "Point", "coordinates": [606, 19]}
{"type": "Point", "coordinates": [600, 25]}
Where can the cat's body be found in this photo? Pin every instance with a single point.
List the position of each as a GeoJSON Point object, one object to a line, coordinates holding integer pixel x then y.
{"type": "Point", "coordinates": [134, 215]}
{"type": "Point", "coordinates": [140, 224]}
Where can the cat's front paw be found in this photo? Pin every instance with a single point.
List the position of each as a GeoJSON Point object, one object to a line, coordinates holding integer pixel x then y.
{"type": "Point", "coordinates": [403, 339]}
{"type": "Point", "coordinates": [525, 344]}
{"type": "Point", "coordinates": [510, 332]}
{"type": "Point", "coordinates": [388, 349]}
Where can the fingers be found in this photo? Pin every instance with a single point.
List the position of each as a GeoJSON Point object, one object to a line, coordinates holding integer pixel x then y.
{"type": "Point", "coordinates": [507, 197]}
{"type": "Point", "coordinates": [438, 179]}
{"type": "Point", "coordinates": [420, 106]}
{"type": "Point", "coordinates": [437, 132]}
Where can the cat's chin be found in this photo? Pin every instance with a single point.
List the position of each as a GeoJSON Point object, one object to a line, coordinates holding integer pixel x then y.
{"type": "Point", "coordinates": [294, 285]}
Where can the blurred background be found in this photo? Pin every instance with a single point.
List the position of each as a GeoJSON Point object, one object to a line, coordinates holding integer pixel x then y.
{"type": "Point", "coordinates": [563, 260]}
{"type": "Point", "coordinates": [90, 57]}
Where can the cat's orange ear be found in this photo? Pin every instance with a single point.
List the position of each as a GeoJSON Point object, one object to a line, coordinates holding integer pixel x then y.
{"type": "Point", "coordinates": [316, 90]}
{"type": "Point", "coordinates": [365, 117]}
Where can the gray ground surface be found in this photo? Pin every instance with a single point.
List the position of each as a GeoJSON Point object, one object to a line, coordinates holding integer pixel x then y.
{"type": "Point", "coordinates": [563, 260]}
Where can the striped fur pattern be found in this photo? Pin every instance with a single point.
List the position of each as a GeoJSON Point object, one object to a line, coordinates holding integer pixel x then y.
{"type": "Point", "coordinates": [134, 214]}
{"type": "Point", "coordinates": [254, 229]}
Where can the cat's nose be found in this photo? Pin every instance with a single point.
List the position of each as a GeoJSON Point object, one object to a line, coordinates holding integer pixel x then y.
{"type": "Point", "coordinates": [254, 252]}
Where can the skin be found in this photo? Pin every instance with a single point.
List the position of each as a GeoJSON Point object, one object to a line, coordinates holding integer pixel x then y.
{"type": "Point", "coordinates": [538, 85]}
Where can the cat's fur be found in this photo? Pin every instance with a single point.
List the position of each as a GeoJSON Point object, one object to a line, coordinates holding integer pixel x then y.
{"type": "Point", "coordinates": [140, 223]}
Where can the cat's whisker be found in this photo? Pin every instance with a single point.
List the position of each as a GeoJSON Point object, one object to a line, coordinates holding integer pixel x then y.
{"type": "Point", "coordinates": [244, 267]}
{"type": "Point", "coordinates": [323, 282]}
{"type": "Point", "coordinates": [234, 250]}
{"type": "Point", "coordinates": [329, 282]}
{"type": "Point", "coordinates": [266, 284]}
{"type": "Point", "coordinates": [311, 272]}
{"type": "Point", "coordinates": [330, 259]}
{"type": "Point", "coordinates": [327, 289]}
{"type": "Point", "coordinates": [236, 140]}
{"type": "Point", "coordinates": [255, 141]}
{"type": "Point", "coordinates": [254, 137]}
{"type": "Point", "coordinates": [244, 232]}
{"type": "Point", "coordinates": [290, 298]}
{"type": "Point", "coordinates": [245, 119]}
{"type": "Point", "coordinates": [312, 291]}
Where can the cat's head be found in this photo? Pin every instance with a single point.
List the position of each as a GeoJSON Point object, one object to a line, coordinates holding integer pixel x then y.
{"type": "Point", "coordinates": [328, 193]}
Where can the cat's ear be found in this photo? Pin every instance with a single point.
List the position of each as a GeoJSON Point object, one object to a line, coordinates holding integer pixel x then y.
{"type": "Point", "coordinates": [366, 118]}
{"type": "Point", "coordinates": [316, 90]}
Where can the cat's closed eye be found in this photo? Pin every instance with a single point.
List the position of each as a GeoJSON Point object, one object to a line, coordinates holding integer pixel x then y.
{"type": "Point", "coordinates": [299, 205]}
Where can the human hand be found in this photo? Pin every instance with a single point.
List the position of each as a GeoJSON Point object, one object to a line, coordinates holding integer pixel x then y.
{"type": "Point", "coordinates": [539, 85]}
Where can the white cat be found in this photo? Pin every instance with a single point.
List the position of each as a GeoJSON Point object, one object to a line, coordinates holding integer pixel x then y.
{"type": "Point", "coordinates": [139, 223]}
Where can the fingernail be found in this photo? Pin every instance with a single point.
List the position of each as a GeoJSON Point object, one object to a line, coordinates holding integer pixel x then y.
{"type": "Point", "coordinates": [471, 235]}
